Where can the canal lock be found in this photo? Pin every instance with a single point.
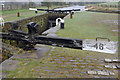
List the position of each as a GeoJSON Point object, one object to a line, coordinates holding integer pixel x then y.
{"type": "Point", "coordinates": [6, 52]}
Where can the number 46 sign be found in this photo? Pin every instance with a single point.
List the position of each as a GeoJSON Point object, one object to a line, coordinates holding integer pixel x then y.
{"type": "Point", "coordinates": [100, 46]}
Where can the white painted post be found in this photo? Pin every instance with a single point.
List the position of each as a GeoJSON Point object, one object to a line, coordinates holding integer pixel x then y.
{"type": "Point", "coordinates": [1, 21]}
{"type": "Point", "coordinates": [61, 23]}
{"type": "Point", "coordinates": [57, 21]}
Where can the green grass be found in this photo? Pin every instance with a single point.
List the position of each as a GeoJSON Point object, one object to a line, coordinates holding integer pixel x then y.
{"type": "Point", "coordinates": [22, 15]}
{"type": "Point", "coordinates": [89, 25]}
{"type": "Point", "coordinates": [11, 15]}
{"type": "Point", "coordinates": [110, 3]}
{"type": "Point", "coordinates": [31, 69]}
{"type": "Point", "coordinates": [106, 3]}
{"type": "Point", "coordinates": [7, 12]}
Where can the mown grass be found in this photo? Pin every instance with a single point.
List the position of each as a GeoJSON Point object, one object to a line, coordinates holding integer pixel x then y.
{"type": "Point", "coordinates": [7, 12]}
{"type": "Point", "coordinates": [26, 71]}
{"type": "Point", "coordinates": [106, 3]}
{"type": "Point", "coordinates": [110, 3]}
{"type": "Point", "coordinates": [89, 25]}
{"type": "Point", "coordinates": [33, 68]}
{"type": "Point", "coordinates": [11, 15]}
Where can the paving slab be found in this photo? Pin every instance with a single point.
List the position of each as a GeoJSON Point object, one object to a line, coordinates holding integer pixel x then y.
{"type": "Point", "coordinates": [99, 67]}
{"type": "Point", "coordinates": [63, 65]}
{"type": "Point", "coordinates": [112, 60]}
{"type": "Point", "coordinates": [92, 72]}
{"type": "Point", "coordinates": [116, 60]}
{"type": "Point", "coordinates": [91, 66]}
{"type": "Point", "coordinates": [114, 67]}
{"type": "Point", "coordinates": [82, 66]}
{"type": "Point", "coordinates": [9, 65]}
{"type": "Point", "coordinates": [37, 54]}
{"type": "Point", "coordinates": [41, 52]}
{"type": "Point", "coordinates": [4, 75]}
{"type": "Point", "coordinates": [73, 65]}
{"type": "Point", "coordinates": [102, 73]}
{"type": "Point", "coordinates": [82, 72]}
{"type": "Point", "coordinates": [77, 69]}
{"type": "Point", "coordinates": [81, 60]}
{"type": "Point", "coordinates": [84, 63]}
{"type": "Point", "coordinates": [73, 60]}
{"type": "Point", "coordinates": [85, 69]}
{"type": "Point", "coordinates": [52, 35]}
{"type": "Point", "coordinates": [110, 66]}
{"type": "Point", "coordinates": [118, 66]}
{"type": "Point", "coordinates": [108, 60]}
{"type": "Point", "coordinates": [88, 61]}
{"type": "Point", "coordinates": [67, 62]}
{"type": "Point", "coordinates": [96, 76]}
{"type": "Point", "coordinates": [59, 62]}
{"type": "Point", "coordinates": [57, 59]}
{"type": "Point", "coordinates": [111, 73]}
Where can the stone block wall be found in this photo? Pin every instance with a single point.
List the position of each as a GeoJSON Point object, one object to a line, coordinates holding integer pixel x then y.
{"type": "Point", "coordinates": [41, 19]}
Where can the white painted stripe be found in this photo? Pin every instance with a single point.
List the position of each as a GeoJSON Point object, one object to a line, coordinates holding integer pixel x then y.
{"type": "Point", "coordinates": [33, 9]}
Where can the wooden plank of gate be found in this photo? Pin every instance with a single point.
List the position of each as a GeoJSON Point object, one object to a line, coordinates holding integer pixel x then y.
{"type": "Point", "coordinates": [100, 46]}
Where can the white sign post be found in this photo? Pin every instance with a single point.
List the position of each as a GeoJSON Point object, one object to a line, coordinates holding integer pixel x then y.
{"type": "Point", "coordinates": [100, 46]}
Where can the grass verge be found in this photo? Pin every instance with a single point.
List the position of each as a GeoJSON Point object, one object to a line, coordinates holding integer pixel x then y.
{"type": "Point", "coordinates": [89, 25]}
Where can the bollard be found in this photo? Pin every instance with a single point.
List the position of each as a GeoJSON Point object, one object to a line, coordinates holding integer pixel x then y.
{"type": "Point", "coordinates": [71, 15]}
{"type": "Point", "coordinates": [36, 12]}
{"type": "Point", "coordinates": [62, 24]}
{"type": "Point", "coordinates": [18, 14]}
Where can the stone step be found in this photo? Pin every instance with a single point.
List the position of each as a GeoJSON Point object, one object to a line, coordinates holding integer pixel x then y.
{"type": "Point", "coordinates": [105, 73]}
{"type": "Point", "coordinates": [112, 60]}
{"type": "Point", "coordinates": [111, 66]}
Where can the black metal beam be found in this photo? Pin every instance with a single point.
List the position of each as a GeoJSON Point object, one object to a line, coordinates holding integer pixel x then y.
{"type": "Point", "coordinates": [56, 41]}
{"type": "Point", "coordinates": [58, 10]}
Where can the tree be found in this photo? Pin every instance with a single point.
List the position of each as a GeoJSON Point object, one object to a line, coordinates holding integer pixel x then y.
{"type": "Point", "coordinates": [48, 4]}
{"type": "Point", "coordinates": [31, 4]}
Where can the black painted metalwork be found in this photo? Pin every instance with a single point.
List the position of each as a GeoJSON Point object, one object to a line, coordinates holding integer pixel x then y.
{"type": "Point", "coordinates": [58, 11]}
{"type": "Point", "coordinates": [28, 40]}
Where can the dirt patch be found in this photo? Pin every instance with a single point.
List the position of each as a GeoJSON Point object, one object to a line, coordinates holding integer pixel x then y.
{"type": "Point", "coordinates": [36, 54]}
{"type": "Point", "coordinates": [9, 65]}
